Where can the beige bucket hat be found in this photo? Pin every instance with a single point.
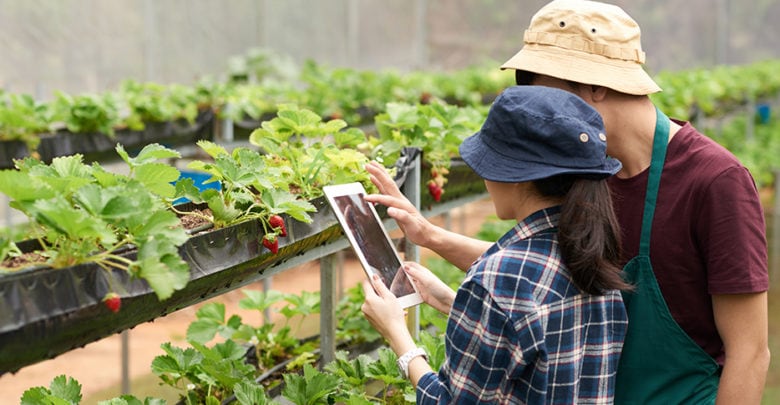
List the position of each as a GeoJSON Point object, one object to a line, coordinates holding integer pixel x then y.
{"type": "Point", "coordinates": [586, 42]}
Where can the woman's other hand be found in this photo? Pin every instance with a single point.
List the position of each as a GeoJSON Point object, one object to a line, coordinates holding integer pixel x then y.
{"type": "Point", "coordinates": [432, 290]}
{"type": "Point", "coordinates": [385, 314]}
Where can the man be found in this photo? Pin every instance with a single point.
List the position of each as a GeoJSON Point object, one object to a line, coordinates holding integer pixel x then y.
{"type": "Point", "coordinates": [692, 224]}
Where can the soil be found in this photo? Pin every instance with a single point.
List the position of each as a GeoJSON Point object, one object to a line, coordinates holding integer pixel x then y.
{"type": "Point", "coordinates": [98, 366]}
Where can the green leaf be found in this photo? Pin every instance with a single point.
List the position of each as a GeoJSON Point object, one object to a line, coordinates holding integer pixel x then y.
{"type": "Point", "coordinates": [259, 300]}
{"type": "Point", "coordinates": [62, 391]}
{"type": "Point", "coordinates": [251, 393]}
{"type": "Point", "coordinates": [211, 148]}
{"type": "Point", "coordinates": [223, 214]}
{"type": "Point", "coordinates": [307, 303]}
{"type": "Point", "coordinates": [40, 396]}
{"type": "Point", "coordinates": [21, 186]}
{"type": "Point", "coordinates": [313, 387]}
{"type": "Point", "coordinates": [185, 188]}
{"type": "Point", "coordinates": [350, 138]}
{"type": "Point", "coordinates": [157, 177]}
{"type": "Point", "coordinates": [57, 214]}
{"type": "Point", "coordinates": [153, 152]}
{"type": "Point", "coordinates": [161, 224]}
{"type": "Point", "coordinates": [161, 266]}
{"type": "Point", "coordinates": [176, 362]}
{"type": "Point", "coordinates": [211, 317]}
{"type": "Point", "coordinates": [284, 202]}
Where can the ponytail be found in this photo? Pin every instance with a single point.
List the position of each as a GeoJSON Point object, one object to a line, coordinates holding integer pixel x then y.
{"type": "Point", "coordinates": [588, 232]}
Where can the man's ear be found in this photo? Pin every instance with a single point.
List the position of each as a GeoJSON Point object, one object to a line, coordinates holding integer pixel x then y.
{"type": "Point", "coordinates": [598, 93]}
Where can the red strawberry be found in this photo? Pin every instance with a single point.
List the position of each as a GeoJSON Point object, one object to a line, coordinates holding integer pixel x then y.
{"type": "Point", "coordinates": [113, 302]}
{"type": "Point", "coordinates": [277, 222]}
{"type": "Point", "coordinates": [435, 190]}
{"type": "Point", "coordinates": [272, 245]}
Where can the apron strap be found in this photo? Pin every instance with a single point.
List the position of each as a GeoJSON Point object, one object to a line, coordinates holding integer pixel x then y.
{"type": "Point", "coordinates": [660, 140]}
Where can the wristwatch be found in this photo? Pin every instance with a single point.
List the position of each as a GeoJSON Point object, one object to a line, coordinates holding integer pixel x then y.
{"type": "Point", "coordinates": [403, 361]}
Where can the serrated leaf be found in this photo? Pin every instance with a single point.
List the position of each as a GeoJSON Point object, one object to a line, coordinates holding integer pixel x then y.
{"type": "Point", "coordinates": [284, 202]}
{"type": "Point", "coordinates": [211, 148]}
{"type": "Point", "coordinates": [250, 393]}
{"type": "Point", "coordinates": [157, 177]}
{"type": "Point", "coordinates": [176, 361]}
{"type": "Point", "coordinates": [153, 152]}
{"type": "Point", "coordinates": [21, 186]}
{"type": "Point", "coordinates": [185, 188]}
{"type": "Point", "coordinates": [161, 224]}
{"type": "Point", "coordinates": [313, 387]}
{"type": "Point", "coordinates": [39, 396]}
{"type": "Point", "coordinates": [161, 266]}
{"type": "Point", "coordinates": [66, 388]}
{"type": "Point", "coordinates": [350, 138]}
{"type": "Point", "coordinates": [57, 214]}
{"type": "Point", "coordinates": [259, 300]}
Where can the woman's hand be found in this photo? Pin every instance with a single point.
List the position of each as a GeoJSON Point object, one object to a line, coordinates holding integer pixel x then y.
{"type": "Point", "coordinates": [432, 290]}
{"type": "Point", "coordinates": [414, 226]}
{"type": "Point", "coordinates": [385, 314]}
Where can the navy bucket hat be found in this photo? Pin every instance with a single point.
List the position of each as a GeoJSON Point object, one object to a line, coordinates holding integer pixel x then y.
{"type": "Point", "coordinates": [536, 132]}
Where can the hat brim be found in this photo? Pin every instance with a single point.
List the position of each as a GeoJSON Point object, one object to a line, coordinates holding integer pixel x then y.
{"type": "Point", "coordinates": [581, 67]}
{"type": "Point", "coordinates": [491, 165]}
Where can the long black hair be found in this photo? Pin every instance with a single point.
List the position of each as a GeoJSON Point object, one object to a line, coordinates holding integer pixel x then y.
{"type": "Point", "coordinates": [588, 232]}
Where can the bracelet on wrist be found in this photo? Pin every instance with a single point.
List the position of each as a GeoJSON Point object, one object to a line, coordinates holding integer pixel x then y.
{"type": "Point", "coordinates": [403, 361]}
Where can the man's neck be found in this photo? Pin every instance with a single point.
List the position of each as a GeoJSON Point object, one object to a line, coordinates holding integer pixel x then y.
{"type": "Point", "coordinates": [630, 138]}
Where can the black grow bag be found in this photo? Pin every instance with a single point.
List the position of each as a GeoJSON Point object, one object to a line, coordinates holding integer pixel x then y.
{"type": "Point", "coordinates": [98, 146]}
{"type": "Point", "coordinates": [10, 150]}
{"type": "Point", "coordinates": [45, 312]}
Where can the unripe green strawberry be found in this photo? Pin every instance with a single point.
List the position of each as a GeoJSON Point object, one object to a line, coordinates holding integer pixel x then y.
{"type": "Point", "coordinates": [113, 302]}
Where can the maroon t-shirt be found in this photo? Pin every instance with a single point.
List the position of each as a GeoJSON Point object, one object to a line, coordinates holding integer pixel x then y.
{"type": "Point", "coordinates": [708, 233]}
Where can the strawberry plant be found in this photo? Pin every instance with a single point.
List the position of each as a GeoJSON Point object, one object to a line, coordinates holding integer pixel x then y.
{"type": "Point", "coordinates": [22, 118]}
{"type": "Point", "coordinates": [250, 188]}
{"type": "Point", "coordinates": [437, 129]}
{"type": "Point", "coordinates": [202, 373]}
{"type": "Point", "coordinates": [311, 388]}
{"type": "Point", "coordinates": [153, 102]}
{"type": "Point", "coordinates": [86, 113]}
{"type": "Point", "coordinates": [84, 214]}
{"type": "Point", "coordinates": [310, 153]}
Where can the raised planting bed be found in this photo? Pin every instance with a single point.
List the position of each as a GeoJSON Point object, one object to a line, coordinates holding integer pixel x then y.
{"type": "Point", "coordinates": [99, 146]}
{"type": "Point", "coordinates": [45, 312]}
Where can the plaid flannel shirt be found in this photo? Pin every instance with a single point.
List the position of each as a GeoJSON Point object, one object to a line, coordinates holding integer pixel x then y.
{"type": "Point", "coordinates": [520, 331]}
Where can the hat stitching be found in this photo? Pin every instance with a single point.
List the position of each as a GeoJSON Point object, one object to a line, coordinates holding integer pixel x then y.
{"type": "Point", "coordinates": [584, 45]}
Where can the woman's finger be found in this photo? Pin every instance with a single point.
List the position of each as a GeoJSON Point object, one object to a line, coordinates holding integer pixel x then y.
{"type": "Point", "coordinates": [379, 286]}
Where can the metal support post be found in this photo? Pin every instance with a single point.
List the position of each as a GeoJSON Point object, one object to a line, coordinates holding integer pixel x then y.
{"type": "Point", "coordinates": [411, 189]}
{"type": "Point", "coordinates": [328, 271]}
{"type": "Point", "coordinates": [125, 361]}
{"type": "Point", "coordinates": [266, 288]}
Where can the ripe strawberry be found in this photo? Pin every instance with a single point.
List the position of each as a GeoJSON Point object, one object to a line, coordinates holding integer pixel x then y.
{"type": "Point", "coordinates": [276, 221]}
{"type": "Point", "coordinates": [113, 302]}
{"type": "Point", "coordinates": [435, 190]}
{"type": "Point", "coordinates": [272, 245]}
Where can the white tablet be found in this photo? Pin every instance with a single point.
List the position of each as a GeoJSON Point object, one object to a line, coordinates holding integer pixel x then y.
{"type": "Point", "coordinates": [370, 240]}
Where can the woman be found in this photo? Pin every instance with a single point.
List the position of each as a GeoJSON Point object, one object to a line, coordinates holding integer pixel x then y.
{"type": "Point", "coordinates": [539, 317]}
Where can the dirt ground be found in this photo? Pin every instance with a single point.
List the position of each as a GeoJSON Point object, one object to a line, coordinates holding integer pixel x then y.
{"type": "Point", "coordinates": [98, 366]}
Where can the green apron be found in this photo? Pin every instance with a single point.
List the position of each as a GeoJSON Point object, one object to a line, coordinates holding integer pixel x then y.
{"type": "Point", "coordinates": [660, 363]}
